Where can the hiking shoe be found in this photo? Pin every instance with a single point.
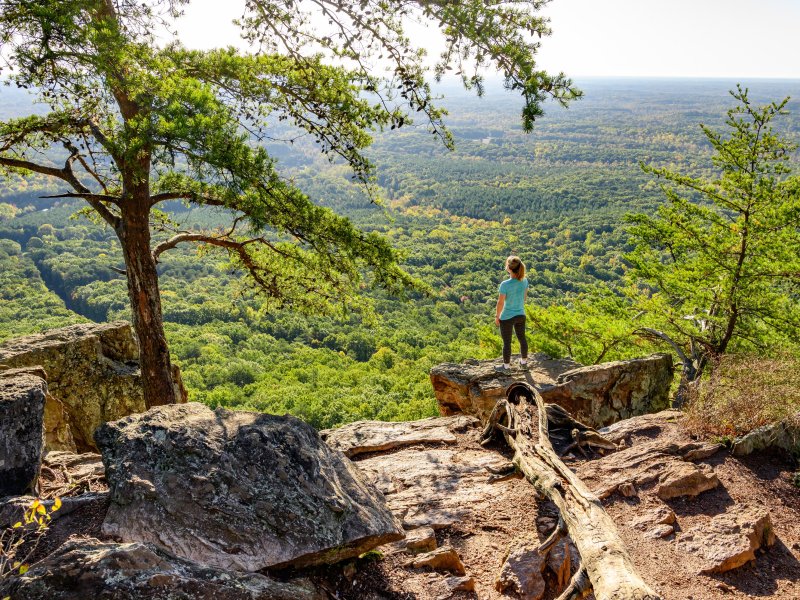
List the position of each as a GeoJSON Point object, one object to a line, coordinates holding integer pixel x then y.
{"type": "Point", "coordinates": [523, 362]}
{"type": "Point", "coordinates": [502, 368]}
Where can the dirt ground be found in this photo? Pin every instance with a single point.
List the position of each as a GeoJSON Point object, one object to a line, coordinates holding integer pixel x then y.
{"type": "Point", "coordinates": [759, 480]}
{"type": "Point", "coordinates": [482, 541]}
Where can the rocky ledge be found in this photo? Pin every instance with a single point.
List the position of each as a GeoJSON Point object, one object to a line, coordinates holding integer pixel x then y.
{"type": "Point", "coordinates": [681, 506]}
{"type": "Point", "coordinates": [597, 395]}
{"type": "Point", "coordinates": [93, 374]}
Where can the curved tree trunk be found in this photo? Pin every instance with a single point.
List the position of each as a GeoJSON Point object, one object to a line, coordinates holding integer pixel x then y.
{"type": "Point", "coordinates": [603, 554]}
{"type": "Point", "coordinates": [145, 298]}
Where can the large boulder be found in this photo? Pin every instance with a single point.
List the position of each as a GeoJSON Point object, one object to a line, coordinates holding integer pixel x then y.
{"type": "Point", "coordinates": [597, 395]}
{"type": "Point", "coordinates": [93, 375]}
{"type": "Point", "coordinates": [88, 568]}
{"type": "Point", "coordinates": [22, 398]}
{"type": "Point", "coordinates": [237, 490]}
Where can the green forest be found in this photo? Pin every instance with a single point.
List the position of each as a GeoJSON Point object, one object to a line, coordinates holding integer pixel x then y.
{"type": "Point", "coordinates": [558, 197]}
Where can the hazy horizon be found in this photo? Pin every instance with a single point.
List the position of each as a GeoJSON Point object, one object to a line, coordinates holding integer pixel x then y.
{"type": "Point", "coordinates": [721, 39]}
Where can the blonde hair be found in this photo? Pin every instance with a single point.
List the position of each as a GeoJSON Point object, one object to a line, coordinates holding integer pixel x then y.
{"type": "Point", "coordinates": [516, 266]}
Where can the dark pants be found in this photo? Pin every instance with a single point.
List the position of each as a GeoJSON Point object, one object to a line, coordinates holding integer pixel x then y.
{"type": "Point", "coordinates": [515, 325]}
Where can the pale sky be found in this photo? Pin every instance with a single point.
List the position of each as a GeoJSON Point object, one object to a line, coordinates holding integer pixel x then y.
{"type": "Point", "coordinates": [655, 38]}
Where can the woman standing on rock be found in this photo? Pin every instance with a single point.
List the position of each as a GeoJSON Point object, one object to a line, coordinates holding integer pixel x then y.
{"type": "Point", "coordinates": [510, 313]}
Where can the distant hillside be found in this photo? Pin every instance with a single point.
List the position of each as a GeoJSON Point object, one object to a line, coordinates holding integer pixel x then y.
{"type": "Point", "coordinates": [556, 197]}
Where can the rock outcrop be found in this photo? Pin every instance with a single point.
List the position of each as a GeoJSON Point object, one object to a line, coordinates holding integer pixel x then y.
{"type": "Point", "coordinates": [82, 569]}
{"type": "Point", "coordinates": [667, 466]}
{"type": "Point", "coordinates": [596, 395]}
{"type": "Point", "coordinates": [22, 400]}
{"type": "Point", "coordinates": [237, 490]}
{"type": "Point", "coordinates": [784, 435]}
{"type": "Point", "coordinates": [92, 373]}
{"type": "Point", "coordinates": [379, 436]}
{"type": "Point", "coordinates": [474, 386]}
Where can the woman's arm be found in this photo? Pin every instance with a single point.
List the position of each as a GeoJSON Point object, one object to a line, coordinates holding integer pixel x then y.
{"type": "Point", "coordinates": [501, 302]}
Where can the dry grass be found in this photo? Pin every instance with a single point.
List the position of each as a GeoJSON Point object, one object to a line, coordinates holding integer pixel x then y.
{"type": "Point", "coordinates": [743, 393]}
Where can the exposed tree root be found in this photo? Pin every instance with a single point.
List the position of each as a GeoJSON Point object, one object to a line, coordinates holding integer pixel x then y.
{"type": "Point", "coordinates": [607, 568]}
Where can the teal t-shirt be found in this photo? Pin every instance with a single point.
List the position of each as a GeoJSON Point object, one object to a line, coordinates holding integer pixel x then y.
{"type": "Point", "coordinates": [514, 289]}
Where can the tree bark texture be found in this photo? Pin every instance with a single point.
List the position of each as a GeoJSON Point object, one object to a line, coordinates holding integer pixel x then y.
{"type": "Point", "coordinates": [523, 422]}
{"type": "Point", "coordinates": [145, 298]}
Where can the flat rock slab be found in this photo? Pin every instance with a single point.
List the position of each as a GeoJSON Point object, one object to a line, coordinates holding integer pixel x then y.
{"type": "Point", "coordinates": [22, 399]}
{"type": "Point", "coordinates": [237, 490]}
{"type": "Point", "coordinates": [729, 540]}
{"type": "Point", "coordinates": [680, 478]}
{"type": "Point", "coordinates": [379, 436]}
{"type": "Point", "coordinates": [434, 488]}
{"type": "Point", "coordinates": [84, 569]}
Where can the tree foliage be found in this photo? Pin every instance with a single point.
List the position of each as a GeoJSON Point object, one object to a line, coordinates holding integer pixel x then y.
{"type": "Point", "coordinates": [719, 263]}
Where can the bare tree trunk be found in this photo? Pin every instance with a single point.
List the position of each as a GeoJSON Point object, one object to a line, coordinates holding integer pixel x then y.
{"type": "Point", "coordinates": [603, 554]}
{"type": "Point", "coordinates": [145, 298]}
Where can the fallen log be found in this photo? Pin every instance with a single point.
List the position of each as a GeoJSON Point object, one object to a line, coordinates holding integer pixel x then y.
{"type": "Point", "coordinates": [521, 418]}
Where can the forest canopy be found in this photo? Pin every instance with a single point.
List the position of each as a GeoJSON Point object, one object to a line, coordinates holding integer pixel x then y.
{"type": "Point", "coordinates": [142, 124]}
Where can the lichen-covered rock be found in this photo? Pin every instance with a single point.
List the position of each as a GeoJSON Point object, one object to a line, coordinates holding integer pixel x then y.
{"type": "Point", "coordinates": [92, 373]}
{"type": "Point", "coordinates": [729, 540]}
{"type": "Point", "coordinates": [22, 398]}
{"type": "Point", "coordinates": [58, 435]}
{"type": "Point", "coordinates": [596, 395]}
{"type": "Point", "coordinates": [784, 434]}
{"type": "Point", "coordinates": [609, 392]}
{"type": "Point", "coordinates": [82, 569]}
{"type": "Point", "coordinates": [378, 436]}
{"type": "Point", "coordinates": [237, 490]}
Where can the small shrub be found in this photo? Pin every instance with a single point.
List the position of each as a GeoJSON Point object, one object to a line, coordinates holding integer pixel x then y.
{"type": "Point", "coordinates": [19, 542]}
{"type": "Point", "coordinates": [742, 393]}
